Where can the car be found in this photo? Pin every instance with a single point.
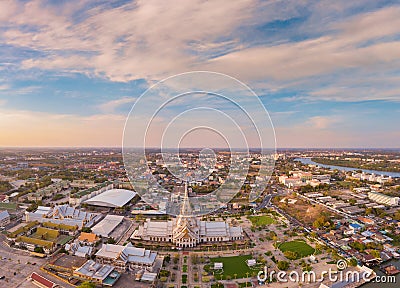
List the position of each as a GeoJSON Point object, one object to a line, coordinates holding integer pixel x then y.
{"type": "Point", "coordinates": [34, 264]}
{"type": "Point", "coordinates": [2, 277]}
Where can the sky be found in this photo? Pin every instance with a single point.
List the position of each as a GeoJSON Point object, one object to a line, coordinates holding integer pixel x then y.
{"type": "Point", "coordinates": [328, 72]}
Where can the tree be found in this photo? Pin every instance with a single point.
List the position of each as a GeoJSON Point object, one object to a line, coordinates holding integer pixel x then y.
{"type": "Point", "coordinates": [86, 229]}
{"type": "Point", "coordinates": [283, 265]}
{"type": "Point", "coordinates": [368, 211]}
{"type": "Point", "coordinates": [353, 262]}
{"type": "Point", "coordinates": [39, 250]}
{"type": "Point", "coordinates": [352, 202]}
{"type": "Point", "coordinates": [111, 240]}
{"type": "Point", "coordinates": [291, 255]}
{"type": "Point", "coordinates": [87, 285]}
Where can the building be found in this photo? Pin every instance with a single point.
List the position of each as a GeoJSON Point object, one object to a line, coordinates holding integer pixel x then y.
{"type": "Point", "coordinates": [107, 225]}
{"type": "Point", "coordinates": [79, 250]}
{"type": "Point", "coordinates": [65, 264]}
{"type": "Point", "coordinates": [4, 218]}
{"type": "Point", "coordinates": [63, 214]}
{"type": "Point", "coordinates": [383, 199]}
{"type": "Point", "coordinates": [187, 230]}
{"type": "Point", "coordinates": [87, 238]}
{"type": "Point", "coordinates": [83, 184]}
{"type": "Point", "coordinates": [290, 182]}
{"type": "Point", "coordinates": [114, 198]}
{"type": "Point", "coordinates": [41, 281]}
{"type": "Point", "coordinates": [97, 273]}
{"type": "Point", "coordinates": [80, 196]}
{"type": "Point", "coordinates": [126, 257]}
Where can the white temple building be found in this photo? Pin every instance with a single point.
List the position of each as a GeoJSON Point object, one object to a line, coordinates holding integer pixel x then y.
{"type": "Point", "coordinates": [187, 230]}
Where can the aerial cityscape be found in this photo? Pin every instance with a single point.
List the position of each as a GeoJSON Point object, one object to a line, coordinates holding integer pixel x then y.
{"type": "Point", "coordinates": [71, 216]}
{"type": "Point", "coordinates": [191, 144]}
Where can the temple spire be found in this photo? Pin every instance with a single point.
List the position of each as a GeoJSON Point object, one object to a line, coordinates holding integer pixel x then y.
{"type": "Point", "coordinates": [186, 209]}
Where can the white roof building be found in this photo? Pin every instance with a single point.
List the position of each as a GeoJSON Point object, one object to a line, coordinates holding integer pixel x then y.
{"type": "Point", "coordinates": [113, 198]}
{"type": "Point", "coordinates": [384, 199]}
{"type": "Point", "coordinates": [107, 225]}
{"type": "Point", "coordinates": [148, 277]}
{"type": "Point", "coordinates": [62, 214]}
{"type": "Point", "coordinates": [126, 256]}
{"type": "Point", "coordinates": [97, 273]}
{"type": "Point", "coordinates": [186, 230]}
{"type": "Point", "coordinates": [4, 218]}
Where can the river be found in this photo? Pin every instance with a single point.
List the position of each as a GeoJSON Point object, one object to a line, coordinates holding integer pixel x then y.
{"type": "Point", "coordinates": [385, 285]}
{"type": "Point", "coordinates": [343, 168]}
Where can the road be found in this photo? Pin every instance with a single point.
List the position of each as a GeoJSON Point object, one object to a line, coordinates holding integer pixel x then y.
{"type": "Point", "coordinates": [19, 262]}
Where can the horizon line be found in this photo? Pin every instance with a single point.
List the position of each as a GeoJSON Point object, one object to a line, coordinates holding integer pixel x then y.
{"type": "Point", "coordinates": [121, 147]}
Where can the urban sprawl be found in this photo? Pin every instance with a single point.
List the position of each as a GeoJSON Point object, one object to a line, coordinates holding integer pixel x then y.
{"type": "Point", "coordinates": [72, 218]}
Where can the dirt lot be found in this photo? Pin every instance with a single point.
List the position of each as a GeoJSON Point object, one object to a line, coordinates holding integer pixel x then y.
{"type": "Point", "coordinates": [301, 209]}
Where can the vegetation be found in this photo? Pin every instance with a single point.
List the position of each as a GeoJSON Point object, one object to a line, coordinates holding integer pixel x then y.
{"type": "Point", "coordinates": [57, 197]}
{"type": "Point", "coordinates": [111, 240]}
{"type": "Point", "coordinates": [283, 265]}
{"type": "Point", "coordinates": [5, 186]}
{"type": "Point", "coordinates": [86, 230]}
{"type": "Point", "coordinates": [234, 267]}
{"type": "Point", "coordinates": [296, 249]}
{"type": "Point", "coordinates": [38, 250]}
{"type": "Point", "coordinates": [87, 285]}
{"type": "Point", "coordinates": [260, 221]}
{"type": "Point", "coordinates": [184, 278]}
{"type": "Point", "coordinates": [323, 221]}
{"type": "Point", "coordinates": [383, 165]}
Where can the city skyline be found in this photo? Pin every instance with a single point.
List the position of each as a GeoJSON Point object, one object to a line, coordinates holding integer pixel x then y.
{"type": "Point", "coordinates": [326, 72]}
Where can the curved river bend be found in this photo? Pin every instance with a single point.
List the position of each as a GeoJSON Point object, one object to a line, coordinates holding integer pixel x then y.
{"type": "Point", "coordinates": [343, 168]}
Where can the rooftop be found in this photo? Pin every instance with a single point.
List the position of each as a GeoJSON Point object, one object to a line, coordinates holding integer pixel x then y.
{"type": "Point", "coordinates": [112, 198]}
{"type": "Point", "coordinates": [41, 280]}
{"type": "Point", "coordinates": [89, 237]}
{"type": "Point", "coordinates": [107, 225]}
{"type": "Point", "coordinates": [95, 270]}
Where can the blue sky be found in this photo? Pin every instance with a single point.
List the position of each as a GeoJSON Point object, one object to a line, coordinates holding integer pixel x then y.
{"type": "Point", "coordinates": [328, 72]}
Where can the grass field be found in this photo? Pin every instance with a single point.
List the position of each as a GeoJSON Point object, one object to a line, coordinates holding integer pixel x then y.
{"type": "Point", "coordinates": [46, 234]}
{"type": "Point", "coordinates": [261, 220]}
{"type": "Point", "coordinates": [8, 206]}
{"type": "Point", "coordinates": [298, 246]}
{"type": "Point", "coordinates": [235, 265]}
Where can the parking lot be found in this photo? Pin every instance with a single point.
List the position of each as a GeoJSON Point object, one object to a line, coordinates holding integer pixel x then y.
{"type": "Point", "coordinates": [17, 264]}
{"type": "Point", "coordinates": [128, 280]}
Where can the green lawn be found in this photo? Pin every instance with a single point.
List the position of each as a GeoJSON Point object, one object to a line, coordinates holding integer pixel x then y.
{"type": "Point", "coordinates": [298, 246]}
{"type": "Point", "coordinates": [261, 220]}
{"type": "Point", "coordinates": [234, 265]}
{"type": "Point", "coordinates": [8, 206]}
{"type": "Point", "coordinates": [184, 278]}
{"type": "Point", "coordinates": [64, 239]}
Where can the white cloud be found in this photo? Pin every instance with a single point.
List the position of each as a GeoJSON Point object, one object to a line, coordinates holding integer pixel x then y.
{"type": "Point", "coordinates": [4, 87]}
{"type": "Point", "coordinates": [148, 40]}
{"type": "Point", "coordinates": [152, 41]}
{"type": "Point", "coordinates": [322, 122]}
{"type": "Point", "coordinates": [111, 106]}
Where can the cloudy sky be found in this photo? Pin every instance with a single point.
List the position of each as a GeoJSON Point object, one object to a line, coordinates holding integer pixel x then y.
{"type": "Point", "coordinates": [328, 72]}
